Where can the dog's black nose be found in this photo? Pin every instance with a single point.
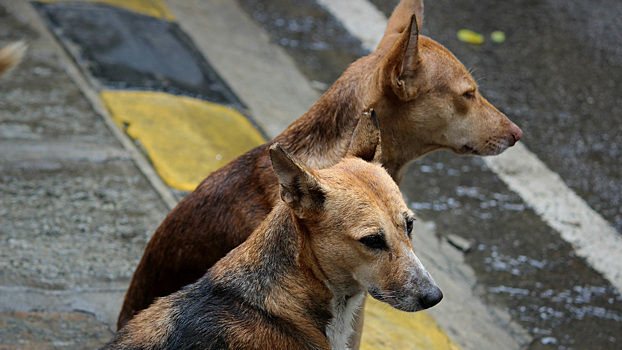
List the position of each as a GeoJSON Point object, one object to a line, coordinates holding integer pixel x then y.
{"type": "Point", "coordinates": [432, 297]}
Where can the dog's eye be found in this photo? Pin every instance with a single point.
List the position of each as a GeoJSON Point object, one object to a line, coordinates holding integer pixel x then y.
{"type": "Point", "coordinates": [409, 226]}
{"type": "Point", "coordinates": [469, 95]}
{"type": "Point", "coordinates": [374, 241]}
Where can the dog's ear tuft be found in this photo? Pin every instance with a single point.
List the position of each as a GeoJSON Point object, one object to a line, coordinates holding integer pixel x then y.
{"type": "Point", "coordinates": [400, 21]}
{"type": "Point", "coordinates": [400, 18]}
{"type": "Point", "coordinates": [365, 142]}
{"type": "Point", "coordinates": [300, 188]}
{"type": "Point", "coordinates": [402, 62]}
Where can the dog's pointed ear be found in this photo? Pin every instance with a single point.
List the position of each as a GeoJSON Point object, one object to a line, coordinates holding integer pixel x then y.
{"type": "Point", "coordinates": [400, 66]}
{"type": "Point", "coordinates": [365, 142]}
{"type": "Point", "coordinates": [299, 187]}
{"type": "Point", "coordinates": [401, 18]}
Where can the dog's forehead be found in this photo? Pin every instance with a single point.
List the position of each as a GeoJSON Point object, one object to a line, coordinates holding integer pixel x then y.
{"type": "Point", "coordinates": [360, 181]}
{"type": "Point", "coordinates": [448, 67]}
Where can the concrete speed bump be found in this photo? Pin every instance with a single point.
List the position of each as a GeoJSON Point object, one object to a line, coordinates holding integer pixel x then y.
{"type": "Point", "coordinates": [135, 45]}
{"type": "Point", "coordinates": [122, 49]}
{"type": "Point", "coordinates": [388, 328]}
{"type": "Point", "coordinates": [185, 138]}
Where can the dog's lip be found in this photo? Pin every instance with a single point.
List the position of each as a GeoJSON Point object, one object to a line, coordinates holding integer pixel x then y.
{"type": "Point", "coordinates": [374, 292]}
{"type": "Point", "coordinates": [402, 306]}
{"type": "Point", "coordinates": [467, 149]}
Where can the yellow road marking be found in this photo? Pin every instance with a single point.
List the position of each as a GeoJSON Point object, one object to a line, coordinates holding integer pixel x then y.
{"type": "Point", "coordinates": [185, 138]}
{"type": "Point", "coordinates": [388, 328]}
{"type": "Point", "coordinates": [153, 8]}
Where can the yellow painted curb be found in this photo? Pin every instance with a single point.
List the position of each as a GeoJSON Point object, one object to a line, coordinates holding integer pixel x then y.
{"type": "Point", "coordinates": [388, 328]}
{"type": "Point", "coordinates": [153, 8]}
{"type": "Point", "coordinates": [185, 138]}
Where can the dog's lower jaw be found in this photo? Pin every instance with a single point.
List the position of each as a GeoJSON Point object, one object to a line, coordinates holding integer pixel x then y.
{"type": "Point", "coordinates": [407, 302]}
{"type": "Point", "coordinates": [344, 308]}
{"type": "Point", "coordinates": [467, 150]}
{"type": "Point", "coordinates": [491, 147]}
{"type": "Point", "coordinates": [494, 147]}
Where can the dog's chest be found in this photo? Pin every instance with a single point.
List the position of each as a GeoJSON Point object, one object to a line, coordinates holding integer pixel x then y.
{"type": "Point", "coordinates": [339, 329]}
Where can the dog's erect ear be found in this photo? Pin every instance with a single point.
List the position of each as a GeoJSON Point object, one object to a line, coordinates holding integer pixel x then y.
{"type": "Point", "coordinates": [400, 66]}
{"type": "Point", "coordinates": [400, 21]}
{"type": "Point", "coordinates": [300, 188]}
{"type": "Point", "coordinates": [365, 142]}
{"type": "Point", "coordinates": [400, 18]}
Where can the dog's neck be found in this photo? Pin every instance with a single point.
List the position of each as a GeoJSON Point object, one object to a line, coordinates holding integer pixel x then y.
{"type": "Point", "coordinates": [287, 280]}
{"type": "Point", "coordinates": [344, 308]}
{"type": "Point", "coordinates": [321, 136]}
{"type": "Point", "coordinates": [347, 295]}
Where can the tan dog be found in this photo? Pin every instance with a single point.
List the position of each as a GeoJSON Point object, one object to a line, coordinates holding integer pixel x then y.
{"type": "Point", "coordinates": [298, 279]}
{"type": "Point", "coordinates": [11, 55]}
{"type": "Point", "coordinates": [426, 101]}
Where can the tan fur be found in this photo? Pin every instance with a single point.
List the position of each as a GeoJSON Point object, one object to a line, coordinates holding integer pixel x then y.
{"type": "Point", "coordinates": [374, 202]}
{"type": "Point", "coordinates": [11, 55]}
{"type": "Point", "coordinates": [153, 326]}
{"type": "Point", "coordinates": [296, 281]}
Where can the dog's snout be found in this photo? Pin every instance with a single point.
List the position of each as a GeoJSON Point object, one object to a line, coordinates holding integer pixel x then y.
{"type": "Point", "coordinates": [432, 297]}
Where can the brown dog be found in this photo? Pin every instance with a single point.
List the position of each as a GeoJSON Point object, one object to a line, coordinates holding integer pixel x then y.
{"type": "Point", "coordinates": [11, 55]}
{"type": "Point", "coordinates": [298, 279]}
{"type": "Point", "coordinates": [426, 101]}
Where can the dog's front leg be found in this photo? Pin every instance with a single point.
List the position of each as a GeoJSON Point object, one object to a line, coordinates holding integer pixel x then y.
{"type": "Point", "coordinates": [354, 343]}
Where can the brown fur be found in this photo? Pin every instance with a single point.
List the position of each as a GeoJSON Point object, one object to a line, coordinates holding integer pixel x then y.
{"type": "Point", "coordinates": [426, 101]}
{"type": "Point", "coordinates": [11, 55]}
{"type": "Point", "coordinates": [296, 281]}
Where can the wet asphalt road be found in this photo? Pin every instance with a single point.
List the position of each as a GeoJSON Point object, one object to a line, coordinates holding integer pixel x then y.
{"type": "Point", "coordinates": [558, 76]}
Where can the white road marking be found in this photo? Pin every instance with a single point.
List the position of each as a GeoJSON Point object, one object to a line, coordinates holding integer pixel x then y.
{"type": "Point", "coordinates": [592, 237]}
{"type": "Point", "coordinates": [361, 18]}
{"type": "Point", "coordinates": [589, 233]}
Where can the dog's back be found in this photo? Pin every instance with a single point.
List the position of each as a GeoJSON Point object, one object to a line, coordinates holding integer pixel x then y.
{"type": "Point", "coordinates": [212, 316]}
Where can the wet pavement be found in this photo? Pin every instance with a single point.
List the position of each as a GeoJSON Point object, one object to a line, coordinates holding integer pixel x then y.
{"type": "Point", "coordinates": [562, 87]}
{"type": "Point", "coordinates": [59, 165]}
{"type": "Point", "coordinates": [521, 263]}
{"type": "Point", "coordinates": [317, 41]}
{"type": "Point", "coordinates": [75, 210]}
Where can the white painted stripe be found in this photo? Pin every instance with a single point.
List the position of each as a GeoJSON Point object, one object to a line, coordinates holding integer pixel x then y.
{"type": "Point", "coordinates": [590, 234]}
{"type": "Point", "coordinates": [361, 18]}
